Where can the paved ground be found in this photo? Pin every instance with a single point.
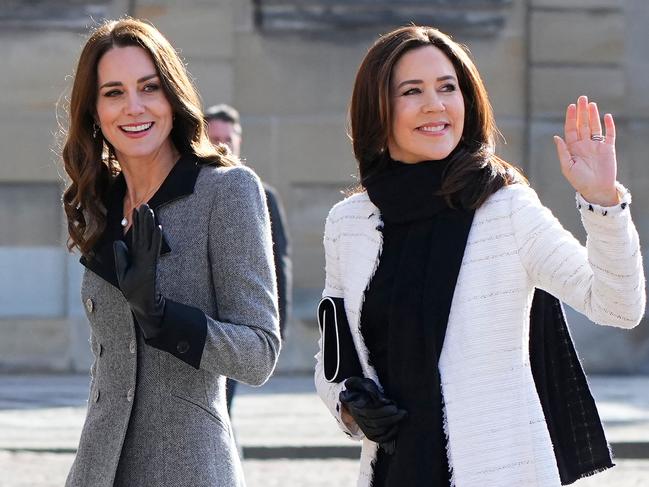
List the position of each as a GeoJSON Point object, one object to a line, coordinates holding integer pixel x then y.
{"type": "Point", "coordinates": [50, 469]}
{"type": "Point", "coordinates": [287, 436]}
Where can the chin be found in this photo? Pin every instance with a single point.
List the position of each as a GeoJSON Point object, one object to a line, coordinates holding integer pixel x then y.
{"type": "Point", "coordinates": [138, 152]}
{"type": "Point", "coordinates": [436, 156]}
{"type": "Point", "coordinates": [440, 154]}
{"type": "Point", "coordinates": [432, 154]}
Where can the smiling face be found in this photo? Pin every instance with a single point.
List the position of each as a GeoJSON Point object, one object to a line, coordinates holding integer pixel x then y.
{"type": "Point", "coordinates": [132, 110]}
{"type": "Point", "coordinates": [427, 107]}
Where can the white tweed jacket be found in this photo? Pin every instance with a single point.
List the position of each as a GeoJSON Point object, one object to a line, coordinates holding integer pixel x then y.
{"type": "Point", "coordinates": [497, 435]}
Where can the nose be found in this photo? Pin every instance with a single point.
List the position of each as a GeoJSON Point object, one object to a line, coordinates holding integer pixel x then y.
{"type": "Point", "coordinates": [433, 103]}
{"type": "Point", "coordinates": [134, 105]}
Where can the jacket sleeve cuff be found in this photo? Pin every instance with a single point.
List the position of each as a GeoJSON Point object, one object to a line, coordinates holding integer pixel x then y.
{"type": "Point", "coordinates": [625, 200]}
{"type": "Point", "coordinates": [183, 333]}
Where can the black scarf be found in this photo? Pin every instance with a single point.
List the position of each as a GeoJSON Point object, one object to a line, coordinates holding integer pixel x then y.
{"type": "Point", "coordinates": [418, 315]}
{"type": "Point", "coordinates": [580, 446]}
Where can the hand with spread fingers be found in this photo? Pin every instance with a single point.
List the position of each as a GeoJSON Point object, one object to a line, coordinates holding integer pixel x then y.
{"type": "Point", "coordinates": [136, 271]}
{"type": "Point", "coordinates": [587, 155]}
{"type": "Point", "coordinates": [377, 416]}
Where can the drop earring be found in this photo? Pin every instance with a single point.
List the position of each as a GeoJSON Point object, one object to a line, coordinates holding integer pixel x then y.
{"type": "Point", "coordinates": [95, 130]}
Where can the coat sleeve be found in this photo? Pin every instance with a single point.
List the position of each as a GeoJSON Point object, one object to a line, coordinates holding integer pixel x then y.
{"type": "Point", "coordinates": [329, 391]}
{"type": "Point", "coordinates": [605, 279]}
{"type": "Point", "coordinates": [242, 342]}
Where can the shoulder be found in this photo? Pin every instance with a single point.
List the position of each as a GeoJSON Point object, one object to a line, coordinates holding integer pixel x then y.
{"type": "Point", "coordinates": [511, 197]}
{"type": "Point", "coordinates": [231, 182]}
{"type": "Point", "coordinates": [513, 192]}
{"type": "Point", "coordinates": [356, 205]}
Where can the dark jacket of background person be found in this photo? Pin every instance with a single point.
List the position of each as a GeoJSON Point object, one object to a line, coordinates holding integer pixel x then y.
{"type": "Point", "coordinates": [281, 255]}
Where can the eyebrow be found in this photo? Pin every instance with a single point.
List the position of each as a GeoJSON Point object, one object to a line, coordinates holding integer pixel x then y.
{"type": "Point", "coordinates": [419, 81]}
{"type": "Point", "coordinates": [119, 83]}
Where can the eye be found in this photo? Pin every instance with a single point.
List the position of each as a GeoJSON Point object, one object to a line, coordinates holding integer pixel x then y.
{"type": "Point", "coordinates": [411, 91]}
{"type": "Point", "coordinates": [151, 87]}
{"type": "Point", "coordinates": [449, 87]}
{"type": "Point", "coordinates": [112, 93]}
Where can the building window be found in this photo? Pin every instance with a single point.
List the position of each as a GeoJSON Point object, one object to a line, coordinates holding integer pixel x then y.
{"type": "Point", "coordinates": [321, 17]}
{"type": "Point", "coordinates": [53, 14]}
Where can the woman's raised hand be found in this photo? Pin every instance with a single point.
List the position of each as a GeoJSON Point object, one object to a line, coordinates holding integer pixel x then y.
{"type": "Point", "coordinates": [587, 155]}
{"type": "Point", "coordinates": [136, 270]}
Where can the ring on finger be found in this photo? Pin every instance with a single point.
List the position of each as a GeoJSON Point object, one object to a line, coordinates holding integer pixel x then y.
{"type": "Point", "coordinates": [597, 137]}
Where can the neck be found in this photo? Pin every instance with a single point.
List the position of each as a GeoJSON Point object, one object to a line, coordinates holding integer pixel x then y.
{"type": "Point", "coordinates": [143, 174]}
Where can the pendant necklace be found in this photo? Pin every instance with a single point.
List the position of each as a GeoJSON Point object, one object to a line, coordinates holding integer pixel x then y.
{"type": "Point", "coordinates": [124, 221]}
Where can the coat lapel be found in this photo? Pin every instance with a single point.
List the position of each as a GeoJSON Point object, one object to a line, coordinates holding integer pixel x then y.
{"type": "Point", "coordinates": [363, 241]}
{"type": "Point", "coordinates": [179, 183]}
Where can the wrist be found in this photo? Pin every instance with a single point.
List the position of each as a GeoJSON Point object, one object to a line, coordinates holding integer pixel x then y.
{"type": "Point", "coordinates": [346, 417]}
{"type": "Point", "coordinates": [606, 199]}
{"type": "Point", "coordinates": [150, 317]}
{"type": "Point", "coordinates": [625, 200]}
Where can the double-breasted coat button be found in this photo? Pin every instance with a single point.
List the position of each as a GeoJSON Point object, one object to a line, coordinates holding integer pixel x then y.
{"type": "Point", "coordinates": [90, 306]}
{"type": "Point", "coordinates": [129, 395]}
{"type": "Point", "coordinates": [182, 347]}
{"type": "Point", "coordinates": [95, 397]}
{"type": "Point", "coordinates": [132, 347]}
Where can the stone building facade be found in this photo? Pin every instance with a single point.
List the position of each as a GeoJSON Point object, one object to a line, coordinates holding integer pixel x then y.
{"type": "Point", "coordinates": [288, 66]}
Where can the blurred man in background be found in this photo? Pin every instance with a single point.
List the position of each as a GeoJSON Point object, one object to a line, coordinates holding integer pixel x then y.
{"type": "Point", "coordinates": [224, 127]}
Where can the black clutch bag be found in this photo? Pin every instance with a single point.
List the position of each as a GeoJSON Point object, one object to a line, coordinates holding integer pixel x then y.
{"type": "Point", "coordinates": [338, 351]}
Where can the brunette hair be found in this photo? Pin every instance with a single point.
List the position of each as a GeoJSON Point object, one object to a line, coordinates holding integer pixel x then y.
{"type": "Point", "coordinates": [474, 172]}
{"type": "Point", "coordinates": [89, 159]}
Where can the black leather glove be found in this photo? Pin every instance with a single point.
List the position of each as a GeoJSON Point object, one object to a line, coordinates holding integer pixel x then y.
{"type": "Point", "coordinates": [376, 415]}
{"type": "Point", "coordinates": [136, 271]}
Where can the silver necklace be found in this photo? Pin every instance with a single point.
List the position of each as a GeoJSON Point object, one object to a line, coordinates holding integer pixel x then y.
{"type": "Point", "coordinates": [124, 221]}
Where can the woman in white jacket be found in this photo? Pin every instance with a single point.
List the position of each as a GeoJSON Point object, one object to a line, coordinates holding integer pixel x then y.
{"type": "Point", "coordinates": [438, 260]}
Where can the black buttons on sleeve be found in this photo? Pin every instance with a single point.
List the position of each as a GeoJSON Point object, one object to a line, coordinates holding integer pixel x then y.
{"type": "Point", "coordinates": [182, 347]}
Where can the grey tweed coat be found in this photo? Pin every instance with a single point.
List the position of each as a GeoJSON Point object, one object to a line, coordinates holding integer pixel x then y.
{"type": "Point", "coordinates": [156, 410]}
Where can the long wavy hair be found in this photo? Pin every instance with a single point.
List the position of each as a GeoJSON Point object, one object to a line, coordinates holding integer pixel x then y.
{"type": "Point", "coordinates": [89, 160]}
{"type": "Point", "coordinates": [474, 172]}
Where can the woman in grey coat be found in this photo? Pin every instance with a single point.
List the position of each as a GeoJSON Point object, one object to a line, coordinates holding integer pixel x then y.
{"type": "Point", "coordinates": [179, 286]}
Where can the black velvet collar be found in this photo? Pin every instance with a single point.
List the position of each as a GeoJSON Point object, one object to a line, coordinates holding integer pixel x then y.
{"type": "Point", "coordinates": [179, 183]}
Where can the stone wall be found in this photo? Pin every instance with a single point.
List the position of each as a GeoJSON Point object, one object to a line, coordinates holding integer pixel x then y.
{"type": "Point", "coordinates": [288, 66]}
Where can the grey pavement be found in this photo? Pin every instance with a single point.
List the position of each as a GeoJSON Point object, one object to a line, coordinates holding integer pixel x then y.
{"type": "Point", "coordinates": [287, 435]}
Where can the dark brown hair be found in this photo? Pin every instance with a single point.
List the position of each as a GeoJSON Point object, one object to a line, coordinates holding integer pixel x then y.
{"type": "Point", "coordinates": [90, 161]}
{"type": "Point", "coordinates": [474, 172]}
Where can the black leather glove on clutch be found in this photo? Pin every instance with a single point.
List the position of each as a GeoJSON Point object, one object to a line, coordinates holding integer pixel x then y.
{"type": "Point", "coordinates": [377, 416]}
{"type": "Point", "coordinates": [136, 271]}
